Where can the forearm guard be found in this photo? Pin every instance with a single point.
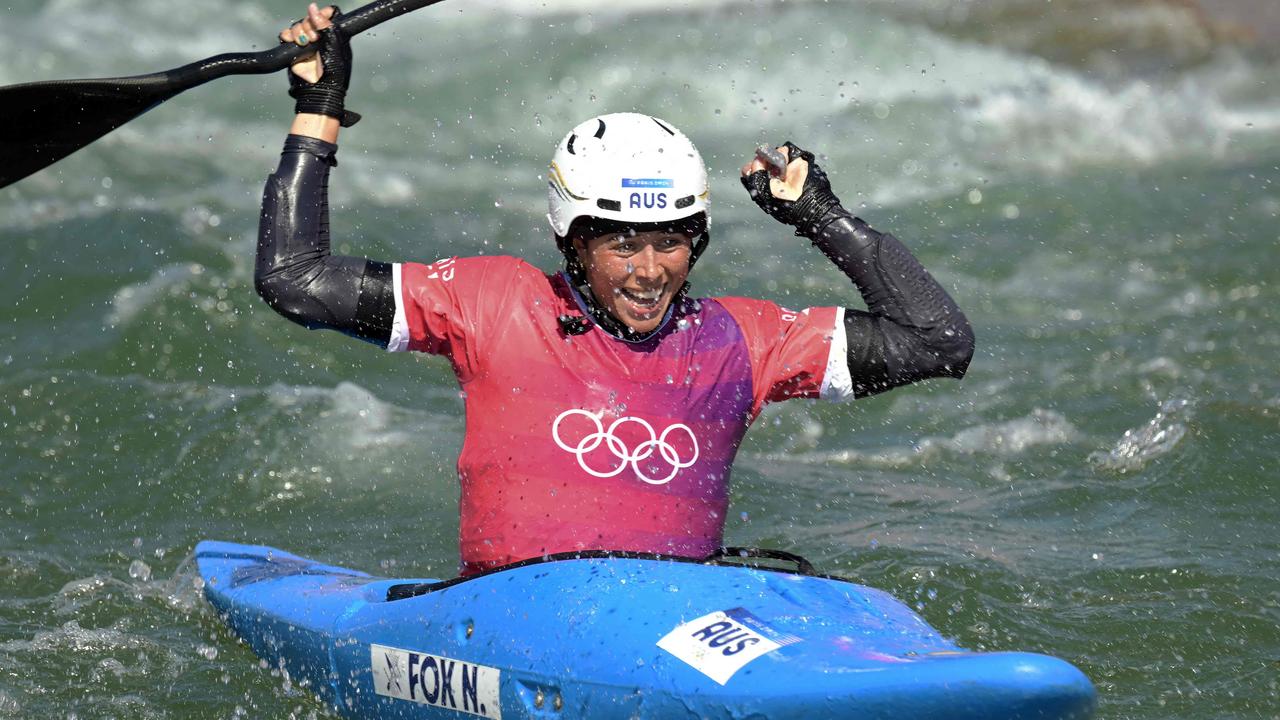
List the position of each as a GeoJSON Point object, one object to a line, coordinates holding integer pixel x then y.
{"type": "Point", "coordinates": [913, 330]}
{"type": "Point", "coordinates": [295, 272]}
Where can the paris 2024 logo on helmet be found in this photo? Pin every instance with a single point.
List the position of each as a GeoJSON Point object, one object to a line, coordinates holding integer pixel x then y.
{"type": "Point", "coordinates": [656, 458]}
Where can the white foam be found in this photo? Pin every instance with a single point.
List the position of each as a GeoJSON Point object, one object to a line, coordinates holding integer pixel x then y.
{"type": "Point", "coordinates": [927, 115]}
{"type": "Point", "coordinates": [1041, 427]}
{"type": "Point", "coordinates": [131, 300]}
{"type": "Point", "coordinates": [71, 637]}
{"type": "Point", "coordinates": [87, 34]}
{"type": "Point", "coordinates": [365, 421]}
{"type": "Point", "coordinates": [1005, 439]}
{"type": "Point", "coordinates": [334, 425]}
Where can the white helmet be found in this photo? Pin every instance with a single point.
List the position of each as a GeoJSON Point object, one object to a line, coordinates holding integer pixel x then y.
{"type": "Point", "coordinates": [625, 167]}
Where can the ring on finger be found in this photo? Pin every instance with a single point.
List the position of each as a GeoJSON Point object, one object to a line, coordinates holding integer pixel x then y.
{"type": "Point", "coordinates": [302, 39]}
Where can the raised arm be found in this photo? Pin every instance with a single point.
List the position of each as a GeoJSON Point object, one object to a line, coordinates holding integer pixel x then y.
{"type": "Point", "coordinates": [295, 273]}
{"type": "Point", "coordinates": [912, 329]}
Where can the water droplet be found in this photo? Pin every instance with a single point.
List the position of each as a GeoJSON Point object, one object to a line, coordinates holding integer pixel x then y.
{"type": "Point", "coordinates": [208, 652]}
{"type": "Point", "coordinates": [139, 570]}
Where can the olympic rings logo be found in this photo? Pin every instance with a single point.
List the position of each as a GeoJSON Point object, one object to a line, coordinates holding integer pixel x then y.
{"type": "Point", "coordinates": [621, 452]}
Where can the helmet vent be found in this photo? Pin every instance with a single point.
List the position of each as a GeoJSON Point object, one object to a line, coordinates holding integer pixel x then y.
{"type": "Point", "coordinates": [629, 168]}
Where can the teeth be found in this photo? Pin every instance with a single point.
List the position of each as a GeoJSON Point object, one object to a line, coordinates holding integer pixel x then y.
{"type": "Point", "coordinates": [646, 295]}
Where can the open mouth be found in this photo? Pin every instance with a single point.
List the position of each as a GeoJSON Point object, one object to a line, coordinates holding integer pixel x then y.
{"type": "Point", "coordinates": [645, 301]}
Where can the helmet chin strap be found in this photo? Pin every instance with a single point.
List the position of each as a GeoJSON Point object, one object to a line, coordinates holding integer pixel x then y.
{"type": "Point", "coordinates": [700, 244]}
{"type": "Point", "coordinates": [610, 322]}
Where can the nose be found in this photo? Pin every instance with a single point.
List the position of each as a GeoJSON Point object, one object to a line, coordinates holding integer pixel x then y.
{"type": "Point", "coordinates": [645, 264]}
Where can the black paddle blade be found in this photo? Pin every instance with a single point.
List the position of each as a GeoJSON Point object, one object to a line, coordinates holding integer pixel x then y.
{"type": "Point", "coordinates": [43, 122]}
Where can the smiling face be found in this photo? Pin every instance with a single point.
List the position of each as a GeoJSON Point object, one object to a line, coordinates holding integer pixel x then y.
{"type": "Point", "coordinates": [635, 276]}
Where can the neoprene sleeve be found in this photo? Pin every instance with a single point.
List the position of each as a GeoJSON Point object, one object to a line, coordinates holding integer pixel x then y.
{"type": "Point", "coordinates": [913, 330]}
{"type": "Point", "coordinates": [296, 273]}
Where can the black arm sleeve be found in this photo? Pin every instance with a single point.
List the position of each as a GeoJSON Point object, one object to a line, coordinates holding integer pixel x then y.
{"type": "Point", "coordinates": [294, 271]}
{"type": "Point", "coordinates": [913, 330]}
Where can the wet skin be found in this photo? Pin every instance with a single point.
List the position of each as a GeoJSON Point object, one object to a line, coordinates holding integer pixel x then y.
{"type": "Point", "coordinates": [636, 276]}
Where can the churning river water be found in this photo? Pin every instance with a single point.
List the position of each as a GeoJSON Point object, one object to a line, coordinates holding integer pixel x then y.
{"type": "Point", "coordinates": [1097, 183]}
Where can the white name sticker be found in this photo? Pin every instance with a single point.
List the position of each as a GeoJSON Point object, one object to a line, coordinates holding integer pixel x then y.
{"type": "Point", "coordinates": [721, 643]}
{"type": "Point", "coordinates": [437, 681]}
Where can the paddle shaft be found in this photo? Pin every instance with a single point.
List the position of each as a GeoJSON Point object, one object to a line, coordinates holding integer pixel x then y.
{"type": "Point", "coordinates": [281, 56]}
{"type": "Point", "coordinates": [43, 122]}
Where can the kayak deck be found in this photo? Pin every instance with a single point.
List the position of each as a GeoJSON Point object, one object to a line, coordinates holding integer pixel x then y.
{"type": "Point", "coordinates": [618, 637]}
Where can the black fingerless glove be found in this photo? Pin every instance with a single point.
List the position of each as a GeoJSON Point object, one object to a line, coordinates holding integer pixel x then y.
{"type": "Point", "coordinates": [327, 95]}
{"type": "Point", "coordinates": [808, 212]}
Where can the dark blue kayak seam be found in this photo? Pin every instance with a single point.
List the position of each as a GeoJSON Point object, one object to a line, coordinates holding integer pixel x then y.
{"type": "Point", "coordinates": [725, 556]}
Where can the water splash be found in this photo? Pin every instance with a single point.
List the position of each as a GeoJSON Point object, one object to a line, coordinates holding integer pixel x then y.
{"type": "Point", "coordinates": [1139, 446]}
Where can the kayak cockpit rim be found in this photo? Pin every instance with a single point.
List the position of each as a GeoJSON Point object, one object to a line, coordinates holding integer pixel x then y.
{"type": "Point", "coordinates": [735, 556]}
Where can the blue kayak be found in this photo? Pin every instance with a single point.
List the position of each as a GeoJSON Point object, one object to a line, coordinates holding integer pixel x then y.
{"type": "Point", "coordinates": [617, 636]}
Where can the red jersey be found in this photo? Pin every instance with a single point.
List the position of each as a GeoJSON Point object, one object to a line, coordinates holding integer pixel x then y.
{"type": "Point", "coordinates": [589, 441]}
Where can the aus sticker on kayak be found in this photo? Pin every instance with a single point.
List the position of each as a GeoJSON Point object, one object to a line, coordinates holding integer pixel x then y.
{"type": "Point", "coordinates": [721, 643]}
{"type": "Point", "coordinates": [437, 681]}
